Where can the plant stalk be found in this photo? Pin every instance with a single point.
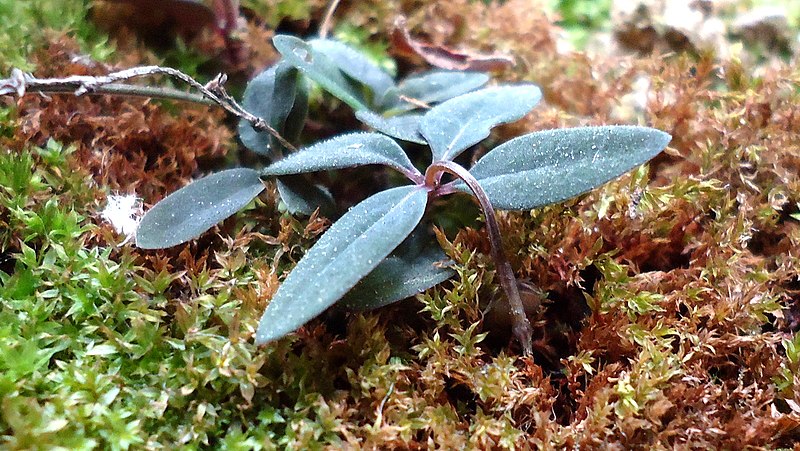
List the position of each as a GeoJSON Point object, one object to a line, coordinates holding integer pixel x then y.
{"type": "Point", "coordinates": [521, 328]}
{"type": "Point", "coordinates": [213, 93]}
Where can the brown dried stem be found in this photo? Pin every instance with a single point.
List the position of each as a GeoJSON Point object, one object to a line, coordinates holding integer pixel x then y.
{"type": "Point", "coordinates": [521, 328]}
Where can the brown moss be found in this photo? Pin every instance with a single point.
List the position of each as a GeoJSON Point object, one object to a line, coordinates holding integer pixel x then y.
{"type": "Point", "coordinates": [671, 291]}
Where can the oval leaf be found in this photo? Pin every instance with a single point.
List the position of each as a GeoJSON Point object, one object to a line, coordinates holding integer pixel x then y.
{"type": "Point", "coordinates": [550, 166]}
{"type": "Point", "coordinates": [431, 87]}
{"type": "Point", "coordinates": [453, 126]}
{"type": "Point", "coordinates": [355, 149]}
{"type": "Point", "coordinates": [347, 252]}
{"type": "Point", "coordinates": [397, 278]}
{"type": "Point", "coordinates": [197, 207]}
{"type": "Point", "coordinates": [257, 99]}
{"type": "Point", "coordinates": [318, 67]}
{"type": "Point", "coordinates": [404, 127]}
{"type": "Point", "coordinates": [302, 197]}
{"type": "Point", "coordinates": [356, 65]}
{"type": "Point", "coordinates": [280, 96]}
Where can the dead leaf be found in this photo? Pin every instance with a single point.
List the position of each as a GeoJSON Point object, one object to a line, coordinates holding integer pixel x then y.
{"type": "Point", "coordinates": [444, 57]}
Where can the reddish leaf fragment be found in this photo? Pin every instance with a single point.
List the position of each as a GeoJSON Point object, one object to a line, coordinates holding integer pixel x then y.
{"type": "Point", "coordinates": [444, 57]}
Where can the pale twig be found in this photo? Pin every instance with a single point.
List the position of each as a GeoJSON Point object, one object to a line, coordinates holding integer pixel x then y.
{"type": "Point", "coordinates": [328, 19]}
{"type": "Point", "coordinates": [213, 93]}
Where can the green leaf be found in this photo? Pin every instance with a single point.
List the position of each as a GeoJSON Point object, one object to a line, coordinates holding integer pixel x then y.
{"type": "Point", "coordinates": [355, 149]}
{"type": "Point", "coordinates": [404, 127]}
{"type": "Point", "coordinates": [431, 87]}
{"type": "Point", "coordinates": [197, 207]}
{"type": "Point", "coordinates": [356, 65]}
{"type": "Point", "coordinates": [280, 96]}
{"type": "Point", "coordinates": [453, 126]}
{"type": "Point", "coordinates": [347, 252]}
{"type": "Point", "coordinates": [398, 277]}
{"type": "Point", "coordinates": [550, 166]}
{"type": "Point", "coordinates": [319, 68]}
{"type": "Point", "coordinates": [302, 197]}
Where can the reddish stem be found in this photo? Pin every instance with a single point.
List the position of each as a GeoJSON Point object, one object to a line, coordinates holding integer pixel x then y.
{"type": "Point", "coordinates": [522, 329]}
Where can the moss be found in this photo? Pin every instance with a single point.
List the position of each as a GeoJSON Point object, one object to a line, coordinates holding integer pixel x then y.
{"type": "Point", "coordinates": [668, 314]}
{"type": "Point", "coordinates": [27, 24]}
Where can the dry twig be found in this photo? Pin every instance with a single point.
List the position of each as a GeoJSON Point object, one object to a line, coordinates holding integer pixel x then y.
{"type": "Point", "coordinates": [213, 93]}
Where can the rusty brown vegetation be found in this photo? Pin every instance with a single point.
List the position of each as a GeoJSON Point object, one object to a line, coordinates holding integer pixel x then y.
{"type": "Point", "coordinates": [670, 296]}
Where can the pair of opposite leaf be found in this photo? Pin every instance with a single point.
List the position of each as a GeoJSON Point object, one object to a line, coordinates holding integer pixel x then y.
{"type": "Point", "coordinates": [358, 257]}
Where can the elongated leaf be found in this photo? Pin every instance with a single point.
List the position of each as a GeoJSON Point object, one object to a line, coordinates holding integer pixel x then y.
{"type": "Point", "coordinates": [295, 121]}
{"type": "Point", "coordinates": [404, 127]}
{"type": "Point", "coordinates": [258, 100]}
{"type": "Point", "coordinates": [347, 252]}
{"type": "Point", "coordinates": [195, 208]}
{"type": "Point", "coordinates": [302, 197]}
{"type": "Point", "coordinates": [356, 65]}
{"type": "Point", "coordinates": [453, 126]}
{"type": "Point", "coordinates": [280, 96]}
{"type": "Point", "coordinates": [550, 166]}
{"type": "Point", "coordinates": [398, 277]}
{"type": "Point", "coordinates": [355, 149]}
{"type": "Point", "coordinates": [432, 87]}
{"type": "Point", "coordinates": [319, 68]}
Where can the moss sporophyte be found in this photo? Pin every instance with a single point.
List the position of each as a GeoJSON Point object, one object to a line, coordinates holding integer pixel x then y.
{"type": "Point", "coordinates": [369, 257]}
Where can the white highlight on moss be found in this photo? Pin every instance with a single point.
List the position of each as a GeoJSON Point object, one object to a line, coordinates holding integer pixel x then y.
{"type": "Point", "coordinates": [123, 212]}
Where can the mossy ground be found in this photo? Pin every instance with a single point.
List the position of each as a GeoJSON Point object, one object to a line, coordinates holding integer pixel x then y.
{"type": "Point", "coordinates": [672, 310]}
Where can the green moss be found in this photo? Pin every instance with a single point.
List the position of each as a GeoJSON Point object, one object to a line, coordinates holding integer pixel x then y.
{"type": "Point", "coordinates": [26, 25]}
{"type": "Point", "coordinates": [670, 317]}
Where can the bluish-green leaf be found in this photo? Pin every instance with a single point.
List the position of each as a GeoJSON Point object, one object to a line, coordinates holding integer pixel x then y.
{"type": "Point", "coordinates": [453, 126]}
{"type": "Point", "coordinates": [302, 197]}
{"type": "Point", "coordinates": [550, 166]}
{"type": "Point", "coordinates": [348, 251]}
{"type": "Point", "coordinates": [356, 65]}
{"type": "Point", "coordinates": [319, 68]}
{"type": "Point", "coordinates": [431, 87]}
{"type": "Point", "coordinates": [355, 149]}
{"type": "Point", "coordinates": [197, 207]}
{"type": "Point", "coordinates": [280, 96]}
{"type": "Point", "coordinates": [290, 82]}
{"type": "Point", "coordinates": [258, 100]}
{"type": "Point", "coordinates": [404, 127]}
{"type": "Point", "coordinates": [398, 277]}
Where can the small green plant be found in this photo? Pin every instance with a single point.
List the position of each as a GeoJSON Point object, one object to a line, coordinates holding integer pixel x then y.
{"type": "Point", "coordinates": [356, 253]}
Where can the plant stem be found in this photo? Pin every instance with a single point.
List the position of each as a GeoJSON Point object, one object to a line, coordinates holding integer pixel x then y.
{"type": "Point", "coordinates": [326, 21]}
{"type": "Point", "coordinates": [213, 93]}
{"type": "Point", "coordinates": [522, 329]}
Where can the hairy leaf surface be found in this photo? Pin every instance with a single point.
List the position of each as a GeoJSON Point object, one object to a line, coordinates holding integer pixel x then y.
{"type": "Point", "coordinates": [355, 149]}
{"type": "Point", "coordinates": [347, 252]}
{"type": "Point", "coordinates": [453, 126]}
{"type": "Point", "coordinates": [398, 277]}
{"type": "Point", "coordinates": [280, 96]}
{"type": "Point", "coordinates": [356, 65]}
{"type": "Point", "coordinates": [302, 197]}
{"type": "Point", "coordinates": [318, 67]}
{"type": "Point", "coordinates": [197, 207]}
{"type": "Point", "coordinates": [550, 166]}
{"type": "Point", "coordinates": [431, 87]}
{"type": "Point", "coordinates": [404, 127]}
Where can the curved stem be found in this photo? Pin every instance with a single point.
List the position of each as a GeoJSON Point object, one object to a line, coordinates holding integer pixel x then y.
{"type": "Point", "coordinates": [522, 329]}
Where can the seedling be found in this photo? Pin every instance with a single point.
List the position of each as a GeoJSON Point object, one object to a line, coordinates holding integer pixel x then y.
{"type": "Point", "coordinates": [524, 173]}
{"type": "Point", "coordinates": [368, 252]}
{"type": "Point", "coordinates": [280, 95]}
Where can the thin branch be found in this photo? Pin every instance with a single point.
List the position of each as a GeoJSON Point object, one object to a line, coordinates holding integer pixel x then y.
{"type": "Point", "coordinates": [522, 329]}
{"type": "Point", "coordinates": [326, 21]}
{"type": "Point", "coordinates": [213, 93]}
